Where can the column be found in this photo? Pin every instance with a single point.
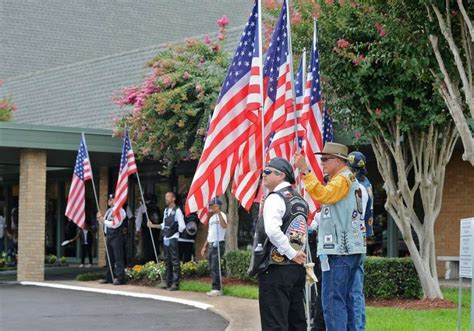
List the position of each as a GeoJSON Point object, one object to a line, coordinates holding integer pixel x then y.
{"type": "Point", "coordinates": [32, 215]}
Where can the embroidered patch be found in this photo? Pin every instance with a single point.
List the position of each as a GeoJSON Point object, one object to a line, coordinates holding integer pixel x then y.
{"type": "Point", "coordinates": [287, 194]}
{"type": "Point", "coordinates": [352, 178]}
{"type": "Point", "coordinates": [355, 214]}
{"type": "Point", "coordinates": [277, 257]}
{"type": "Point", "coordinates": [326, 213]}
{"type": "Point", "coordinates": [329, 246]}
{"type": "Point", "coordinates": [362, 227]}
{"type": "Point", "coordinates": [356, 234]}
{"type": "Point", "coordinates": [328, 239]}
{"type": "Point", "coordinates": [354, 224]}
{"type": "Point", "coordinates": [296, 232]}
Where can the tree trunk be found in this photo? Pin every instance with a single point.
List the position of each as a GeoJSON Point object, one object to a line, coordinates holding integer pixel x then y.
{"type": "Point", "coordinates": [423, 156]}
{"type": "Point", "coordinates": [231, 241]}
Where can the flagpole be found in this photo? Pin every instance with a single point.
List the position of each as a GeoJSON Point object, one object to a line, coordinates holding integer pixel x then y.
{"type": "Point", "coordinates": [98, 206]}
{"type": "Point", "coordinates": [146, 214]}
{"type": "Point", "coordinates": [262, 99]}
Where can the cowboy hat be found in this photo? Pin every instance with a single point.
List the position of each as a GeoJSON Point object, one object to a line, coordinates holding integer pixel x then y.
{"type": "Point", "coordinates": [335, 149]}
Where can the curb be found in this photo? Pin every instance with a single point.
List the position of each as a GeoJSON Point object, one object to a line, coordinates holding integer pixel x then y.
{"type": "Point", "coordinates": [191, 303]}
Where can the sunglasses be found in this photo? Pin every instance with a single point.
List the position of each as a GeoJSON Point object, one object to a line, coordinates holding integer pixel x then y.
{"type": "Point", "coordinates": [325, 158]}
{"type": "Point", "coordinates": [267, 172]}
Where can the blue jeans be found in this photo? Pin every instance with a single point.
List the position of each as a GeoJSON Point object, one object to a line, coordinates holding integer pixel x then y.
{"type": "Point", "coordinates": [338, 302]}
{"type": "Point", "coordinates": [358, 295]}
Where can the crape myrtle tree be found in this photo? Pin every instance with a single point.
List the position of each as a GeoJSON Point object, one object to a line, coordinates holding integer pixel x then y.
{"type": "Point", "coordinates": [375, 65]}
{"type": "Point", "coordinates": [451, 36]}
{"type": "Point", "coordinates": [7, 107]}
{"type": "Point", "coordinates": [168, 114]}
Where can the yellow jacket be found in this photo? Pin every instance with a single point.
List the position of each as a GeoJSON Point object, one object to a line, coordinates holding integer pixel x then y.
{"type": "Point", "coordinates": [328, 194]}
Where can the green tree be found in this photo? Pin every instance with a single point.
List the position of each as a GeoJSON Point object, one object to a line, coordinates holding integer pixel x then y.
{"type": "Point", "coordinates": [375, 64]}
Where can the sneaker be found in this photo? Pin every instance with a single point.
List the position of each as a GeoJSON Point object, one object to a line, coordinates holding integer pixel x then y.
{"type": "Point", "coordinates": [173, 287]}
{"type": "Point", "coordinates": [214, 293]}
{"type": "Point", "coordinates": [89, 265]}
{"type": "Point", "coordinates": [81, 266]}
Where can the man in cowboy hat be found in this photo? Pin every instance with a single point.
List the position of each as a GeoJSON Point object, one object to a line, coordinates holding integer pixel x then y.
{"type": "Point", "coordinates": [340, 236]}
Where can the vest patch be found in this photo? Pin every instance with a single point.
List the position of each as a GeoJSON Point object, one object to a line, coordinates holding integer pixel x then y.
{"type": "Point", "coordinates": [326, 213]}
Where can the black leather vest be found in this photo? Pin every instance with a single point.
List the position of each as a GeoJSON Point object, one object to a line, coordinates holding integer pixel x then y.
{"type": "Point", "coordinates": [294, 224]}
{"type": "Point", "coordinates": [171, 225]}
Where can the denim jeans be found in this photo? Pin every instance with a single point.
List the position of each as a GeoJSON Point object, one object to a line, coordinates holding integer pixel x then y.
{"type": "Point", "coordinates": [213, 260]}
{"type": "Point", "coordinates": [338, 302]}
{"type": "Point", "coordinates": [358, 295]}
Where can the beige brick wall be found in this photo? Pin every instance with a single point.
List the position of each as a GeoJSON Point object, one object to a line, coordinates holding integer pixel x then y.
{"type": "Point", "coordinates": [458, 203]}
{"type": "Point", "coordinates": [31, 209]}
{"type": "Point", "coordinates": [103, 191]}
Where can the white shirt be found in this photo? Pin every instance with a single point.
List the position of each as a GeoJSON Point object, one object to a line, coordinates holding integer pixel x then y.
{"type": "Point", "coordinates": [215, 228]}
{"type": "Point", "coordinates": [2, 227]}
{"type": "Point", "coordinates": [273, 211]}
{"type": "Point", "coordinates": [108, 219]}
{"type": "Point", "coordinates": [177, 216]}
{"type": "Point", "coordinates": [365, 198]}
{"type": "Point", "coordinates": [139, 217]}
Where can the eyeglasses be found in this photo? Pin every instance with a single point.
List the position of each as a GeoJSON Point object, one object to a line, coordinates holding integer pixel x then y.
{"type": "Point", "coordinates": [267, 172]}
{"type": "Point", "coordinates": [325, 158]}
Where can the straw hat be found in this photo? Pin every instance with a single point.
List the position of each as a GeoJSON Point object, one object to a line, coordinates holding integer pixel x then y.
{"type": "Point", "coordinates": [335, 149]}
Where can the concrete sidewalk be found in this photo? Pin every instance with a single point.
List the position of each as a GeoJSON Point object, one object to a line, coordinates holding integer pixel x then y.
{"type": "Point", "coordinates": [242, 314]}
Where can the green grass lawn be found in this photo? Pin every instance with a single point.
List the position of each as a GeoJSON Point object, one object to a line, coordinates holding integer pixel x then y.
{"type": "Point", "coordinates": [378, 319]}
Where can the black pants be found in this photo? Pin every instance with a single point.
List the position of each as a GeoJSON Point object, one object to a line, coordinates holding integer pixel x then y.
{"type": "Point", "coordinates": [281, 298]}
{"type": "Point", "coordinates": [86, 248]}
{"type": "Point", "coordinates": [186, 250]}
{"type": "Point", "coordinates": [115, 249]}
{"type": "Point", "coordinates": [316, 305]}
{"type": "Point", "coordinates": [213, 259]}
{"type": "Point", "coordinates": [172, 262]}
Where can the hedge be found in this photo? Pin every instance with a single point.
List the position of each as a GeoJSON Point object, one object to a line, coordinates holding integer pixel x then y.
{"type": "Point", "coordinates": [385, 278]}
{"type": "Point", "coordinates": [388, 278]}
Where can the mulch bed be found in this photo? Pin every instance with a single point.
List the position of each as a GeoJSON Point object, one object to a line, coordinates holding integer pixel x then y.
{"type": "Point", "coordinates": [423, 304]}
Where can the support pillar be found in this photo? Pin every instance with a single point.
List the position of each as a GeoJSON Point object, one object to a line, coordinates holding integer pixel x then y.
{"type": "Point", "coordinates": [32, 215]}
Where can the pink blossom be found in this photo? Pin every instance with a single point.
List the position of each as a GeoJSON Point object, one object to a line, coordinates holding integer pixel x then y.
{"type": "Point", "coordinates": [220, 36]}
{"type": "Point", "coordinates": [198, 88]}
{"type": "Point", "coordinates": [342, 43]}
{"type": "Point", "coordinates": [207, 39]}
{"type": "Point", "coordinates": [223, 21]}
{"type": "Point", "coordinates": [4, 105]}
{"type": "Point", "coordinates": [296, 18]}
{"type": "Point", "coordinates": [216, 48]}
{"type": "Point", "coordinates": [380, 29]}
{"type": "Point", "coordinates": [271, 4]}
{"type": "Point", "coordinates": [359, 59]}
{"type": "Point", "coordinates": [166, 80]}
{"type": "Point", "coordinates": [378, 112]}
{"type": "Point", "coordinates": [186, 75]}
{"type": "Point", "coordinates": [357, 135]}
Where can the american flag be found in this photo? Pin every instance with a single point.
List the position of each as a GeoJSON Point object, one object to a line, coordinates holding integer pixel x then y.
{"type": "Point", "coordinates": [127, 168]}
{"type": "Point", "coordinates": [328, 130]}
{"type": "Point", "coordinates": [278, 100]}
{"type": "Point", "coordinates": [312, 119]}
{"type": "Point", "coordinates": [234, 120]}
{"type": "Point", "coordinates": [75, 209]}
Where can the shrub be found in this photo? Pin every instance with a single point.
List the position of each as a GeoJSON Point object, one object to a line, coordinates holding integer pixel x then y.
{"type": "Point", "coordinates": [154, 271]}
{"type": "Point", "coordinates": [50, 259]}
{"type": "Point", "coordinates": [237, 263]}
{"type": "Point", "coordinates": [63, 260]}
{"type": "Point", "coordinates": [90, 276]}
{"type": "Point", "coordinates": [188, 269]}
{"type": "Point", "coordinates": [388, 278]}
{"type": "Point", "coordinates": [202, 268]}
{"type": "Point", "coordinates": [136, 272]}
